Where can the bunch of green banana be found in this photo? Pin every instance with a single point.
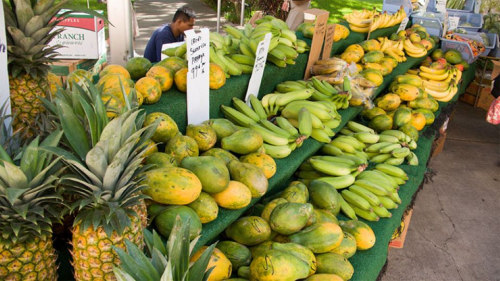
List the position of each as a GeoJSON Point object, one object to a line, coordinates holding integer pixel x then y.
{"type": "Point", "coordinates": [373, 193]}
{"type": "Point", "coordinates": [391, 147]}
{"type": "Point", "coordinates": [284, 47]}
{"type": "Point", "coordinates": [280, 138]}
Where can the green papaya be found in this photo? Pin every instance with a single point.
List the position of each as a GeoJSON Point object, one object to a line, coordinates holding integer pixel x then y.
{"type": "Point", "coordinates": [300, 252]}
{"type": "Point", "coordinates": [220, 153]}
{"type": "Point", "coordinates": [277, 265]}
{"type": "Point", "coordinates": [348, 246]}
{"type": "Point", "coordinates": [244, 272]}
{"type": "Point", "coordinates": [324, 216]}
{"type": "Point", "coordinates": [429, 115]}
{"type": "Point", "coordinates": [211, 171]}
{"type": "Point", "coordinates": [410, 131]}
{"type": "Point", "coordinates": [222, 127]}
{"type": "Point", "coordinates": [296, 192]}
{"type": "Point", "coordinates": [372, 112]}
{"type": "Point", "coordinates": [250, 175]}
{"type": "Point", "coordinates": [205, 207]}
{"type": "Point", "coordinates": [164, 220]}
{"type": "Point", "coordinates": [363, 233]}
{"type": "Point", "coordinates": [325, 196]}
{"type": "Point", "coordinates": [372, 56]}
{"type": "Point", "coordinates": [289, 218]}
{"type": "Point", "coordinates": [320, 237]}
{"type": "Point", "coordinates": [243, 141]}
{"type": "Point", "coordinates": [402, 116]}
{"type": "Point", "coordinates": [261, 248]}
{"type": "Point", "coordinates": [324, 277]}
{"type": "Point", "coordinates": [335, 264]}
{"type": "Point", "coordinates": [238, 254]}
{"type": "Point", "coordinates": [161, 160]}
{"type": "Point", "coordinates": [269, 207]}
{"type": "Point", "coordinates": [181, 146]}
{"type": "Point", "coordinates": [249, 231]}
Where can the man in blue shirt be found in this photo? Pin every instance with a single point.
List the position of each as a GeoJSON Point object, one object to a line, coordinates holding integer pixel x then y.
{"type": "Point", "coordinates": [174, 32]}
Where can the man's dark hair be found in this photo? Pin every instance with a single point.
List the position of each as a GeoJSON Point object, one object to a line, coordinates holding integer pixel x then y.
{"type": "Point", "coordinates": [184, 13]}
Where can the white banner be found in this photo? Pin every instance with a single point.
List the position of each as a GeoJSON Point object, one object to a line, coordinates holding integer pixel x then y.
{"type": "Point", "coordinates": [4, 76]}
{"type": "Point", "coordinates": [198, 91]}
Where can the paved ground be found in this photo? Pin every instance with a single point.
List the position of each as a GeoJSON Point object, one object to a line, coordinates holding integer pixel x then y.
{"type": "Point", "coordinates": [453, 234]}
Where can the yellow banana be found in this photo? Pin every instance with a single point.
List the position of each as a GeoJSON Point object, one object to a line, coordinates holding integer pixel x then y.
{"type": "Point", "coordinates": [359, 29]}
{"type": "Point", "coordinates": [432, 71]}
{"type": "Point", "coordinates": [435, 77]}
{"type": "Point", "coordinates": [435, 85]}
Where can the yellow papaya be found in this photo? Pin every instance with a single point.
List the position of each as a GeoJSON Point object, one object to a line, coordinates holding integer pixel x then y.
{"type": "Point", "coordinates": [351, 57]}
{"type": "Point", "coordinates": [172, 185]}
{"type": "Point", "coordinates": [370, 45]}
{"type": "Point", "coordinates": [389, 102]}
{"type": "Point", "coordinates": [406, 92]}
{"type": "Point", "coordinates": [373, 56]}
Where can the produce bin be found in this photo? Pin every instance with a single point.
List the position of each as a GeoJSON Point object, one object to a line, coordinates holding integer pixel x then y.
{"type": "Point", "coordinates": [468, 6]}
{"type": "Point", "coordinates": [433, 22]}
{"type": "Point", "coordinates": [492, 37]}
{"type": "Point", "coordinates": [476, 20]}
{"type": "Point", "coordinates": [392, 6]}
{"type": "Point", "coordinates": [462, 47]}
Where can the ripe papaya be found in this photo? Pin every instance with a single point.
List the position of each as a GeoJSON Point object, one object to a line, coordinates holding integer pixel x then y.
{"type": "Point", "coordinates": [364, 235]}
{"type": "Point", "coordinates": [351, 57]}
{"type": "Point", "coordinates": [348, 246]}
{"type": "Point", "coordinates": [324, 277]}
{"type": "Point", "coordinates": [221, 266]}
{"type": "Point", "coordinates": [161, 160]}
{"type": "Point", "coordinates": [235, 196]}
{"type": "Point", "coordinates": [167, 128]}
{"type": "Point", "coordinates": [373, 75]}
{"type": "Point", "coordinates": [211, 171]}
{"type": "Point", "coordinates": [426, 103]}
{"type": "Point", "coordinates": [406, 92]}
{"type": "Point", "coordinates": [172, 185]}
{"type": "Point", "coordinates": [182, 146]}
{"type": "Point", "coordinates": [203, 134]}
{"type": "Point", "coordinates": [277, 265]}
{"type": "Point", "coordinates": [384, 70]}
{"type": "Point", "coordinates": [355, 48]}
{"type": "Point", "coordinates": [429, 115]}
{"type": "Point", "coordinates": [261, 160]}
{"type": "Point", "coordinates": [261, 248]}
{"type": "Point", "coordinates": [249, 231]}
{"type": "Point", "coordinates": [370, 45]}
{"type": "Point", "coordinates": [300, 252]}
{"type": "Point", "coordinates": [268, 209]}
{"type": "Point", "coordinates": [220, 153]}
{"type": "Point", "coordinates": [205, 207]}
{"type": "Point", "coordinates": [388, 102]}
{"type": "Point", "coordinates": [373, 56]}
{"type": "Point", "coordinates": [418, 120]}
{"type": "Point", "coordinates": [249, 175]}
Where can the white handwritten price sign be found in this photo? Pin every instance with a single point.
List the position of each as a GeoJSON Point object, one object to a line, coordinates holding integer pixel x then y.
{"type": "Point", "coordinates": [403, 24]}
{"type": "Point", "coordinates": [4, 77]}
{"type": "Point", "coordinates": [198, 91]}
{"type": "Point", "coordinates": [453, 23]}
{"type": "Point", "coordinates": [441, 6]}
{"type": "Point", "coordinates": [258, 67]}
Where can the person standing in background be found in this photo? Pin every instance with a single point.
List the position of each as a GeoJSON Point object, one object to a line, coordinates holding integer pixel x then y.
{"type": "Point", "coordinates": [171, 33]}
{"type": "Point", "coordinates": [296, 12]}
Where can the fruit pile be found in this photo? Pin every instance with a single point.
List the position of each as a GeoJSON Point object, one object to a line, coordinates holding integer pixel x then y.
{"type": "Point", "coordinates": [307, 29]}
{"type": "Point", "coordinates": [365, 21]}
{"type": "Point", "coordinates": [476, 46]}
{"type": "Point", "coordinates": [193, 177]}
{"type": "Point", "coordinates": [298, 234]}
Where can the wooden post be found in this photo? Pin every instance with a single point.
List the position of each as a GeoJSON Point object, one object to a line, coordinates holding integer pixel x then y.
{"type": "Point", "coordinates": [318, 38]}
{"type": "Point", "coordinates": [330, 34]}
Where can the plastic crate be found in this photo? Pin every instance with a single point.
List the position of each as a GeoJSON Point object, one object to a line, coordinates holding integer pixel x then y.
{"type": "Point", "coordinates": [468, 6]}
{"type": "Point", "coordinates": [462, 47]}
{"type": "Point", "coordinates": [492, 37]}
{"type": "Point", "coordinates": [434, 25]}
{"type": "Point", "coordinates": [392, 6]}
{"type": "Point", "coordinates": [476, 20]}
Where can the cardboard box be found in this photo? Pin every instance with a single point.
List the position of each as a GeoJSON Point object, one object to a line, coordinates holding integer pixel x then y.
{"type": "Point", "coordinates": [64, 67]}
{"type": "Point", "coordinates": [83, 37]}
{"type": "Point", "coordinates": [478, 96]}
{"type": "Point", "coordinates": [438, 145]}
{"type": "Point", "coordinates": [399, 235]}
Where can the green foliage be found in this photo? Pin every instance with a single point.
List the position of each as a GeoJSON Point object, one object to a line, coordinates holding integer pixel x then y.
{"type": "Point", "coordinates": [339, 8]}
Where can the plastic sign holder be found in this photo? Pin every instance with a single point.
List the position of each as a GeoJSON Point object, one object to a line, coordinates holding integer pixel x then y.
{"type": "Point", "coordinates": [318, 37]}
{"type": "Point", "coordinates": [441, 6]}
{"type": "Point", "coordinates": [4, 76]}
{"type": "Point", "coordinates": [453, 23]}
{"type": "Point", "coordinates": [403, 24]}
{"type": "Point", "coordinates": [327, 48]}
{"type": "Point", "coordinates": [258, 67]}
{"type": "Point", "coordinates": [198, 89]}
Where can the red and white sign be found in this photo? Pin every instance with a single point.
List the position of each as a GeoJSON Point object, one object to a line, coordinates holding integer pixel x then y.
{"type": "Point", "coordinates": [83, 37]}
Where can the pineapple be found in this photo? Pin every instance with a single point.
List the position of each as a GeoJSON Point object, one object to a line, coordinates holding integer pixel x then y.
{"type": "Point", "coordinates": [30, 204]}
{"type": "Point", "coordinates": [166, 262]}
{"type": "Point", "coordinates": [28, 33]}
{"type": "Point", "coordinates": [106, 166]}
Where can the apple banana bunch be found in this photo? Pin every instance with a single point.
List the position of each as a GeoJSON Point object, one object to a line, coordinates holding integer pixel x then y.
{"type": "Point", "coordinates": [412, 50]}
{"type": "Point", "coordinates": [393, 49]}
{"type": "Point", "coordinates": [390, 147]}
{"type": "Point", "coordinates": [441, 84]}
{"type": "Point", "coordinates": [360, 21]}
{"type": "Point", "coordinates": [373, 193]}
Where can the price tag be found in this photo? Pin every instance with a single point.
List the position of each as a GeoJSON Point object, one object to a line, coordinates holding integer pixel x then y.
{"type": "Point", "coordinates": [453, 23]}
{"type": "Point", "coordinates": [318, 37]}
{"type": "Point", "coordinates": [403, 24]}
{"type": "Point", "coordinates": [4, 77]}
{"type": "Point", "coordinates": [258, 67]}
{"type": "Point", "coordinates": [198, 92]}
{"type": "Point", "coordinates": [446, 23]}
{"type": "Point", "coordinates": [441, 6]}
{"type": "Point", "coordinates": [330, 34]}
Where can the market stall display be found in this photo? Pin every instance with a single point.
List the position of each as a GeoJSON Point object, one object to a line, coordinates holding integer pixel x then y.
{"type": "Point", "coordinates": [215, 173]}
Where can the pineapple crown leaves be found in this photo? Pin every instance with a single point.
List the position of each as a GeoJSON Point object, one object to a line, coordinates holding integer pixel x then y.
{"type": "Point", "coordinates": [30, 27]}
{"type": "Point", "coordinates": [165, 262]}
{"type": "Point", "coordinates": [29, 199]}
